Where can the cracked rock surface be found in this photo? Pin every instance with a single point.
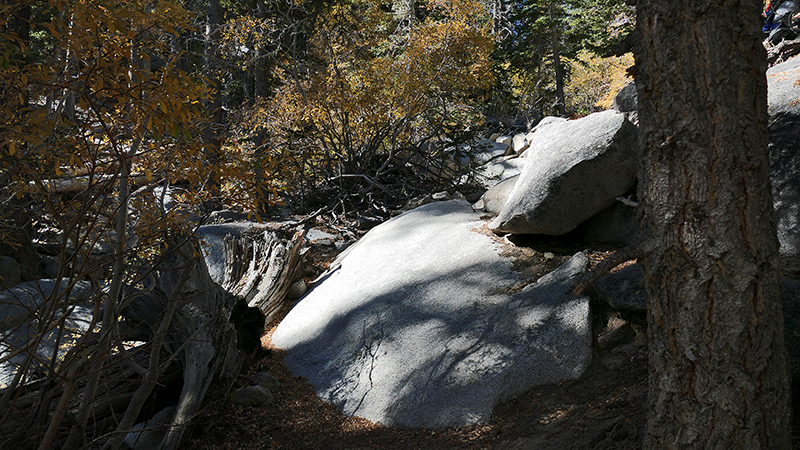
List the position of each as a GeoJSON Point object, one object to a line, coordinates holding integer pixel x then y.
{"type": "Point", "coordinates": [422, 323]}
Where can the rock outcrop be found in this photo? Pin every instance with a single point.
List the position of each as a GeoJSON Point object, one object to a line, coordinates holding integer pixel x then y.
{"type": "Point", "coordinates": [422, 323]}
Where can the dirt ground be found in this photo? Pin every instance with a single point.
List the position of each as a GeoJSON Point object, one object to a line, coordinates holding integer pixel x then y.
{"type": "Point", "coordinates": [604, 409]}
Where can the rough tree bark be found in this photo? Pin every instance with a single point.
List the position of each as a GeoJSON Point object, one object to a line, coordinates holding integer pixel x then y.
{"type": "Point", "coordinates": [718, 366]}
{"type": "Point", "coordinates": [561, 103]}
{"type": "Point", "coordinates": [211, 137]}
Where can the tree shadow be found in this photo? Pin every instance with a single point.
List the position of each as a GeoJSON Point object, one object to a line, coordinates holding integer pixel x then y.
{"type": "Point", "coordinates": [443, 350]}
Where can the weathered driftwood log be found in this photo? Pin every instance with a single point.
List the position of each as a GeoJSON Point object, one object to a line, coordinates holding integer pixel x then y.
{"type": "Point", "coordinates": [260, 267]}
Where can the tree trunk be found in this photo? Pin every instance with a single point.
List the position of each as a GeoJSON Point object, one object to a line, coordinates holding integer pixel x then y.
{"type": "Point", "coordinates": [261, 268]}
{"type": "Point", "coordinates": [261, 70]}
{"type": "Point", "coordinates": [561, 103]}
{"type": "Point", "coordinates": [211, 137]}
{"type": "Point", "coordinates": [718, 365]}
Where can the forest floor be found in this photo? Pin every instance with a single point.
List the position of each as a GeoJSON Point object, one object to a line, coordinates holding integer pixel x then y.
{"type": "Point", "coordinates": [603, 409]}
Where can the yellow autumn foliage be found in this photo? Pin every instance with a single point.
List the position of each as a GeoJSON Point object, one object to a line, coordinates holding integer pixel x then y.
{"type": "Point", "coordinates": [98, 102]}
{"type": "Point", "coordinates": [595, 81]}
{"type": "Point", "coordinates": [369, 93]}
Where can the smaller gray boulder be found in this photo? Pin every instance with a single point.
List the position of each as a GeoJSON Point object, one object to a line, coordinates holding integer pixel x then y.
{"type": "Point", "coordinates": [624, 289]}
{"type": "Point", "coordinates": [252, 396]}
{"type": "Point", "coordinates": [494, 199]}
{"type": "Point", "coordinates": [574, 170]}
{"type": "Point", "coordinates": [627, 99]}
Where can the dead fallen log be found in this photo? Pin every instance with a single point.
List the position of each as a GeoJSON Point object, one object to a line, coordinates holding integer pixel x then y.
{"type": "Point", "coordinates": [79, 183]}
{"type": "Point", "coordinates": [260, 267]}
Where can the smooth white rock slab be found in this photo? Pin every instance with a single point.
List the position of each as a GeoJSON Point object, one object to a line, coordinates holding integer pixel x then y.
{"type": "Point", "coordinates": [416, 325]}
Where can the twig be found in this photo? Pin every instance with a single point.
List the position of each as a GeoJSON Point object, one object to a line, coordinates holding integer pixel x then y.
{"type": "Point", "coordinates": [627, 201]}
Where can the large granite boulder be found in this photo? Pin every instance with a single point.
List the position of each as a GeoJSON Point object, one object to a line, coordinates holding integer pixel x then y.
{"type": "Point", "coordinates": [423, 323]}
{"type": "Point", "coordinates": [574, 170]}
{"type": "Point", "coordinates": [784, 136]}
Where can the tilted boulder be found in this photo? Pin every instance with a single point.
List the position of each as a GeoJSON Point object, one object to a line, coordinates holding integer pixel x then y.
{"type": "Point", "coordinates": [574, 170]}
{"type": "Point", "coordinates": [423, 323]}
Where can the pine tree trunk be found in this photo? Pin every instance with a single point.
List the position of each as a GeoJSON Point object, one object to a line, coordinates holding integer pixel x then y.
{"type": "Point", "coordinates": [561, 103]}
{"type": "Point", "coordinates": [718, 365]}
{"type": "Point", "coordinates": [212, 145]}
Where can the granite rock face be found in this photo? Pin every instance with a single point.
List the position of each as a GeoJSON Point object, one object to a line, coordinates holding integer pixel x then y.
{"type": "Point", "coordinates": [423, 323]}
